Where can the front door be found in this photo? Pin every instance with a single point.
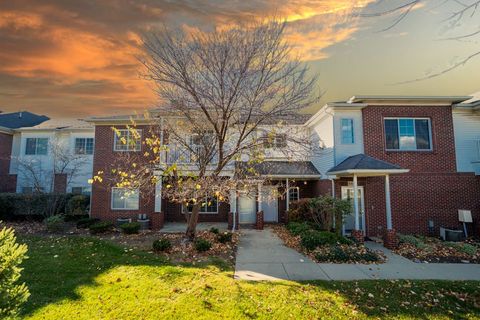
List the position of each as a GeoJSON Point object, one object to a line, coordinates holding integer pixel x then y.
{"type": "Point", "coordinates": [270, 203]}
{"type": "Point", "coordinates": [349, 220]}
{"type": "Point", "coordinates": [247, 207]}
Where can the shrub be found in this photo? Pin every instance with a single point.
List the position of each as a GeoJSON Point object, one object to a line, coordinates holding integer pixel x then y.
{"type": "Point", "coordinates": [297, 228]}
{"type": "Point", "coordinates": [463, 247]}
{"type": "Point", "coordinates": [55, 223]}
{"type": "Point", "coordinates": [406, 238]}
{"type": "Point", "coordinates": [162, 245]}
{"type": "Point", "coordinates": [299, 211]}
{"type": "Point", "coordinates": [312, 239]}
{"type": "Point", "coordinates": [202, 245]}
{"type": "Point", "coordinates": [101, 227]}
{"type": "Point", "coordinates": [214, 230]}
{"type": "Point", "coordinates": [12, 294]}
{"type": "Point", "coordinates": [224, 237]}
{"type": "Point", "coordinates": [130, 227]}
{"type": "Point", "coordinates": [339, 254]}
{"type": "Point", "coordinates": [14, 205]}
{"type": "Point", "coordinates": [77, 205]}
{"type": "Point", "coordinates": [324, 210]}
{"type": "Point", "coordinates": [86, 222]}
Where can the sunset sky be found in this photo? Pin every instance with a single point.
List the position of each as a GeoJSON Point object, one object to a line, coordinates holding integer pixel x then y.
{"type": "Point", "coordinates": [79, 58]}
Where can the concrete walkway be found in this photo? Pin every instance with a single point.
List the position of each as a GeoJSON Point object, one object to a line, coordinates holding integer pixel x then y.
{"type": "Point", "coordinates": [261, 255]}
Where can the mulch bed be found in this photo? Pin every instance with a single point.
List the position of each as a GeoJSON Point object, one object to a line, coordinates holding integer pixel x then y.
{"type": "Point", "coordinates": [182, 250]}
{"type": "Point", "coordinates": [294, 242]}
{"type": "Point", "coordinates": [436, 251]}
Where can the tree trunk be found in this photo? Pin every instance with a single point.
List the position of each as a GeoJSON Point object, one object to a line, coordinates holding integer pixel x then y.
{"type": "Point", "coordinates": [192, 221]}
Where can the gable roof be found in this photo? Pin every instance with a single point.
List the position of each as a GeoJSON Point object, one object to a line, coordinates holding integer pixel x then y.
{"type": "Point", "coordinates": [14, 120]}
{"type": "Point", "coordinates": [60, 124]}
{"type": "Point", "coordinates": [362, 163]}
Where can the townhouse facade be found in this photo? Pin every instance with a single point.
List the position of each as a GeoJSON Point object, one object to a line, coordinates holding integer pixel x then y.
{"type": "Point", "coordinates": [407, 163]}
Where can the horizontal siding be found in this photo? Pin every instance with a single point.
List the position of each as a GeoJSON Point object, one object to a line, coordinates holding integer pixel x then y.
{"type": "Point", "coordinates": [322, 135]}
{"type": "Point", "coordinates": [467, 132]}
{"type": "Point", "coordinates": [343, 151]}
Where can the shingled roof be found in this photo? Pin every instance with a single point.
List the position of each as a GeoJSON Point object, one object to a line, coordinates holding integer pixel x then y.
{"type": "Point", "coordinates": [362, 162]}
{"type": "Point", "coordinates": [14, 120]}
{"type": "Point", "coordinates": [279, 168]}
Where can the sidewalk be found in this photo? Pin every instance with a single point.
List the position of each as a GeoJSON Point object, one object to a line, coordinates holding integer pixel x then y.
{"type": "Point", "coordinates": [261, 255]}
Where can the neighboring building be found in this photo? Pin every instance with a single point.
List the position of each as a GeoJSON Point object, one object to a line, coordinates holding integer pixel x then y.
{"type": "Point", "coordinates": [9, 122]}
{"type": "Point", "coordinates": [54, 156]}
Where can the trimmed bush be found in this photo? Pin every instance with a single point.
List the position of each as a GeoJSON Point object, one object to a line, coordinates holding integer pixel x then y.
{"type": "Point", "coordinates": [214, 230]}
{"type": "Point", "coordinates": [55, 223]}
{"type": "Point", "coordinates": [77, 205]}
{"type": "Point", "coordinates": [312, 239]}
{"type": "Point", "coordinates": [76, 218]}
{"type": "Point", "coordinates": [162, 245]}
{"type": "Point", "coordinates": [15, 206]}
{"type": "Point", "coordinates": [130, 227]}
{"type": "Point", "coordinates": [86, 222]}
{"type": "Point", "coordinates": [101, 227]}
{"type": "Point", "coordinates": [297, 228]}
{"type": "Point", "coordinates": [202, 245]}
{"type": "Point", "coordinates": [12, 294]}
{"type": "Point", "coordinates": [224, 237]}
{"type": "Point", "coordinates": [299, 211]}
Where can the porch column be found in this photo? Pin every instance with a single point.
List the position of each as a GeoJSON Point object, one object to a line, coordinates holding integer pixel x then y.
{"type": "Point", "coordinates": [158, 195]}
{"type": "Point", "coordinates": [259, 197]}
{"type": "Point", "coordinates": [355, 202]}
{"type": "Point", "coordinates": [387, 202]}
{"type": "Point", "coordinates": [232, 216]}
{"type": "Point", "coordinates": [288, 194]}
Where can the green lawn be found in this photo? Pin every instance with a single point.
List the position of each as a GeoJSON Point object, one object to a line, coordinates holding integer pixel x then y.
{"type": "Point", "coordinates": [83, 278]}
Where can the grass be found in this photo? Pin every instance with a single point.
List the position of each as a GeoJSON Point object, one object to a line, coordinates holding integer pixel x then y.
{"type": "Point", "coordinates": [84, 278]}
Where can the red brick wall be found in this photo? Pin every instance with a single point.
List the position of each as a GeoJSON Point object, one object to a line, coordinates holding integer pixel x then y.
{"type": "Point", "coordinates": [60, 183]}
{"type": "Point", "coordinates": [173, 212]}
{"type": "Point", "coordinates": [7, 182]}
{"type": "Point", "coordinates": [442, 156]}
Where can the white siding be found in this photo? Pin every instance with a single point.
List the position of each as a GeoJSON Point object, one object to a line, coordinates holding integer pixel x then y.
{"type": "Point", "coordinates": [343, 151]}
{"type": "Point", "coordinates": [466, 126]}
{"type": "Point", "coordinates": [322, 136]}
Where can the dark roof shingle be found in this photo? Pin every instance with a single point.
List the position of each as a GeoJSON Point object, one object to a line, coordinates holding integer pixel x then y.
{"type": "Point", "coordinates": [363, 162]}
{"type": "Point", "coordinates": [21, 119]}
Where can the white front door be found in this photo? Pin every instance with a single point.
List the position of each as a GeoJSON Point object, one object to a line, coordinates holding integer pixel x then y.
{"type": "Point", "coordinates": [270, 203]}
{"type": "Point", "coordinates": [247, 207]}
{"type": "Point", "coordinates": [349, 220]}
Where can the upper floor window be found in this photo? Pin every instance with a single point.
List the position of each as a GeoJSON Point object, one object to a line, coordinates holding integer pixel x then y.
{"type": "Point", "coordinates": [293, 194]}
{"type": "Point", "coordinates": [125, 199]}
{"type": "Point", "coordinates": [126, 140]}
{"type": "Point", "coordinates": [408, 134]}
{"type": "Point", "coordinates": [274, 141]}
{"type": "Point", "coordinates": [36, 146]}
{"type": "Point", "coordinates": [347, 131]}
{"type": "Point", "coordinates": [208, 205]}
{"type": "Point", "coordinates": [83, 145]}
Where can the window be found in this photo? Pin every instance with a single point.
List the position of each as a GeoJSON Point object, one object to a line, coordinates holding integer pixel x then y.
{"type": "Point", "coordinates": [408, 134]}
{"type": "Point", "coordinates": [36, 146]}
{"type": "Point", "coordinates": [209, 205]}
{"type": "Point", "coordinates": [274, 141]}
{"type": "Point", "coordinates": [347, 131]}
{"type": "Point", "coordinates": [83, 145]}
{"type": "Point", "coordinates": [125, 199]}
{"type": "Point", "coordinates": [126, 140]}
{"type": "Point", "coordinates": [293, 194]}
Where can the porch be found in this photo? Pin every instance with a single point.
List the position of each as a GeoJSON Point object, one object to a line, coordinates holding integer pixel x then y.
{"type": "Point", "coordinates": [357, 167]}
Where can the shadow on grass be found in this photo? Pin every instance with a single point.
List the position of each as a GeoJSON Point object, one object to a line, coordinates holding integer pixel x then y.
{"type": "Point", "coordinates": [57, 267]}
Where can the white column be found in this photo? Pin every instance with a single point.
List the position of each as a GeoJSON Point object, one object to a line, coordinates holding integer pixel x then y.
{"type": "Point", "coordinates": [158, 195]}
{"type": "Point", "coordinates": [259, 197]}
{"type": "Point", "coordinates": [288, 195]}
{"type": "Point", "coordinates": [233, 201]}
{"type": "Point", "coordinates": [387, 202]}
{"type": "Point", "coordinates": [355, 203]}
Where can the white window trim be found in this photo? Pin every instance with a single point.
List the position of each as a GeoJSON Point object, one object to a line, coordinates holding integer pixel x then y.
{"type": "Point", "coordinates": [298, 193]}
{"type": "Point", "coordinates": [36, 146]}
{"type": "Point", "coordinates": [414, 134]}
{"type": "Point", "coordinates": [115, 137]}
{"type": "Point", "coordinates": [185, 211]}
{"type": "Point", "coordinates": [123, 209]}
{"type": "Point", "coordinates": [85, 146]}
{"type": "Point", "coordinates": [341, 131]}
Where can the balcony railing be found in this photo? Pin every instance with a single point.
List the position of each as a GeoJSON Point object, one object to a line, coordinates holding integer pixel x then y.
{"type": "Point", "coordinates": [180, 155]}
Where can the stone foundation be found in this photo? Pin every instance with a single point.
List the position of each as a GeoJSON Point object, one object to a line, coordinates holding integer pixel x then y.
{"type": "Point", "coordinates": [259, 223]}
{"type": "Point", "coordinates": [390, 239]}
{"type": "Point", "coordinates": [358, 236]}
{"type": "Point", "coordinates": [157, 220]}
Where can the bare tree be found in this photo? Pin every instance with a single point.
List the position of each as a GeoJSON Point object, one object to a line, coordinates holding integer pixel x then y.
{"type": "Point", "coordinates": [227, 96]}
{"type": "Point", "coordinates": [463, 10]}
